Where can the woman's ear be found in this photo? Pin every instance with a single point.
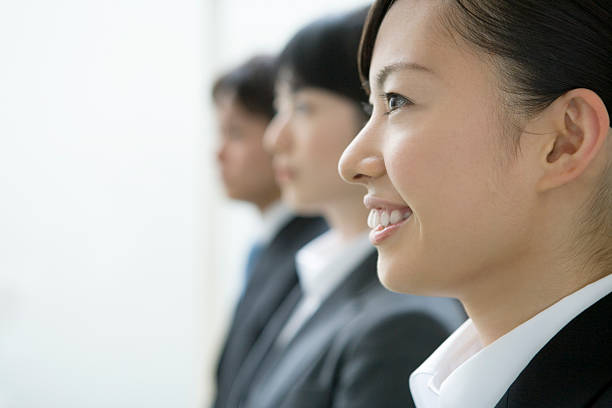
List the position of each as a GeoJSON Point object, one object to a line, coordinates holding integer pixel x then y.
{"type": "Point", "coordinates": [579, 124]}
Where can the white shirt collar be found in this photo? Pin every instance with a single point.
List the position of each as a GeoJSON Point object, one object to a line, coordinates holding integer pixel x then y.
{"type": "Point", "coordinates": [321, 265]}
{"type": "Point", "coordinates": [461, 373]}
{"type": "Point", "coordinates": [326, 260]}
{"type": "Point", "coordinates": [273, 219]}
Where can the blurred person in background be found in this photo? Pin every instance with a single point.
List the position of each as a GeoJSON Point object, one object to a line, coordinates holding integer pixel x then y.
{"type": "Point", "coordinates": [243, 100]}
{"type": "Point", "coordinates": [340, 340]}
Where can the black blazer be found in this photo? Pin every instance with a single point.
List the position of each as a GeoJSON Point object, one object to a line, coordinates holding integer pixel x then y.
{"type": "Point", "coordinates": [273, 278]}
{"type": "Point", "coordinates": [356, 351]}
{"type": "Point", "coordinates": [573, 370]}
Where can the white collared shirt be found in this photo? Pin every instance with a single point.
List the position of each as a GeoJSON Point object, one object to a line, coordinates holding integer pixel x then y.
{"type": "Point", "coordinates": [321, 265]}
{"type": "Point", "coordinates": [462, 373]}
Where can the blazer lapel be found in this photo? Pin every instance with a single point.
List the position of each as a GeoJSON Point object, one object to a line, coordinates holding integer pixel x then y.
{"type": "Point", "coordinates": [250, 368]}
{"type": "Point", "coordinates": [273, 278]}
{"type": "Point", "coordinates": [574, 369]}
{"type": "Point", "coordinates": [287, 366]}
{"type": "Point", "coordinates": [359, 280]}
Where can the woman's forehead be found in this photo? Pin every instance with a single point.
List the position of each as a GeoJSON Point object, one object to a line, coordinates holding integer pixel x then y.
{"type": "Point", "coordinates": [412, 35]}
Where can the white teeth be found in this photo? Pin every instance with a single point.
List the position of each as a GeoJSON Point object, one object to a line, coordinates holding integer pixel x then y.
{"type": "Point", "coordinates": [376, 220]}
{"type": "Point", "coordinates": [371, 219]}
{"type": "Point", "coordinates": [396, 216]}
{"type": "Point", "coordinates": [384, 218]}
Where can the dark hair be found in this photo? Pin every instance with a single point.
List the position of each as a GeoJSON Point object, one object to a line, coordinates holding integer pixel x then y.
{"type": "Point", "coordinates": [324, 55]}
{"type": "Point", "coordinates": [252, 83]}
{"type": "Point", "coordinates": [545, 47]}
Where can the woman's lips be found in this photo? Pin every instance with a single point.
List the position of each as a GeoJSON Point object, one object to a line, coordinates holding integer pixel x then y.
{"type": "Point", "coordinates": [385, 217]}
{"type": "Point", "coordinates": [373, 202]}
{"type": "Point", "coordinates": [283, 174]}
{"type": "Point", "coordinates": [380, 233]}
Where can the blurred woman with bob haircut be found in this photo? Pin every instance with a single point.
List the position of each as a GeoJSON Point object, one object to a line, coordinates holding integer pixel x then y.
{"type": "Point", "coordinates": [341, 340]}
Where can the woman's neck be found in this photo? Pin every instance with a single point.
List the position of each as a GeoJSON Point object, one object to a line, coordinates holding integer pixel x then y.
{"type": "Point", "coordinates": [544, 267]}
{"type": "Point", "coordinates": [507, 298]}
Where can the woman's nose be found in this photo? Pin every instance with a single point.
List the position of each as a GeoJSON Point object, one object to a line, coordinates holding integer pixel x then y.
{"type": "Point", "coordinates": [362, 160]}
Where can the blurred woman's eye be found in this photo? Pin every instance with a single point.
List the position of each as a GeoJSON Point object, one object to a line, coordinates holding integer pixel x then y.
{"type": "Point", "coordinates": [303, 107]}
{"type": "Point", "coordinates": [367, 108]}
{"type": "Point", "coordinates": [235, 134]}
{"type": "Point", "coordinates": [232, 132]}
{"type": "Point", "coordinates": [395, 101]}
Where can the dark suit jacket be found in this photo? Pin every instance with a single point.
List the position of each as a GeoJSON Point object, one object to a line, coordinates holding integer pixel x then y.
{"type": "Point", "coordinates": [272, 279]}
{"type": "Point", "coordinates": [356, 351]}
{"type": "Point", "coordinates": [573, 370]}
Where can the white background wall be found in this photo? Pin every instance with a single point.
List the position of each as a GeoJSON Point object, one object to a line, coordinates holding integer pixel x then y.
{"type": "Point", "coordinates": [119, 256]}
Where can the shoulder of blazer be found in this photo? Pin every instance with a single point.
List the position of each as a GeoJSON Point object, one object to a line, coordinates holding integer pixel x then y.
{"type": "Point", "coordinates": [386, 336]}
{"type": "Point", "coordinates": [385, 320]}
{"type": "Point", "coordinates": [297, 232]}
{"type": "Point", "coordinates": [574, 369]}
{"type": "Point", "coordinates": [377, 312]}
{"type": "Point", "coordinates": [278, 258]}
{"type": "Point", "coordinates": [383, 323]}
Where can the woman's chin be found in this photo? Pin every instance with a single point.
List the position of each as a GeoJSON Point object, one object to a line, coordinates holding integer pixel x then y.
{"type": "Point", "coordinates": [393, 277]}
{"type": "Point", "coordinates": [404, 278]}
{"type": "Point", "coordinates": [300, 205]}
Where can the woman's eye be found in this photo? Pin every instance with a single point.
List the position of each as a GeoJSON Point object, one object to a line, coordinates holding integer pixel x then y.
{"type": "Point", "coordinates": [395, 101]}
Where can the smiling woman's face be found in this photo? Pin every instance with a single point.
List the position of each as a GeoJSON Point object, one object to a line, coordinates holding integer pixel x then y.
{"type": "Point", "coordinates": [434, 151]}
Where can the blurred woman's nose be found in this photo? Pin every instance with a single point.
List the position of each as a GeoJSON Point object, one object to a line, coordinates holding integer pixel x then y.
{"type": "Point", "coordinates": [221, 152]}
{"type": "Point", "coordinates": [276, 137]}
{"type": "Point", "coordinates": [362, 160]}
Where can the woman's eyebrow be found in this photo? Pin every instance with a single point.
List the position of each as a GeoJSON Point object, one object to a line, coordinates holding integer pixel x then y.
{"type": "Point", "coordinates": [386, 71]}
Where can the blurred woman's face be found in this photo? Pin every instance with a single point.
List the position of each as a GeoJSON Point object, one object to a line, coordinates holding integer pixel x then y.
{"type": "Point", "coordinates": [306, 137]}
{"type": "Point", "coordinates": [450, 205]}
